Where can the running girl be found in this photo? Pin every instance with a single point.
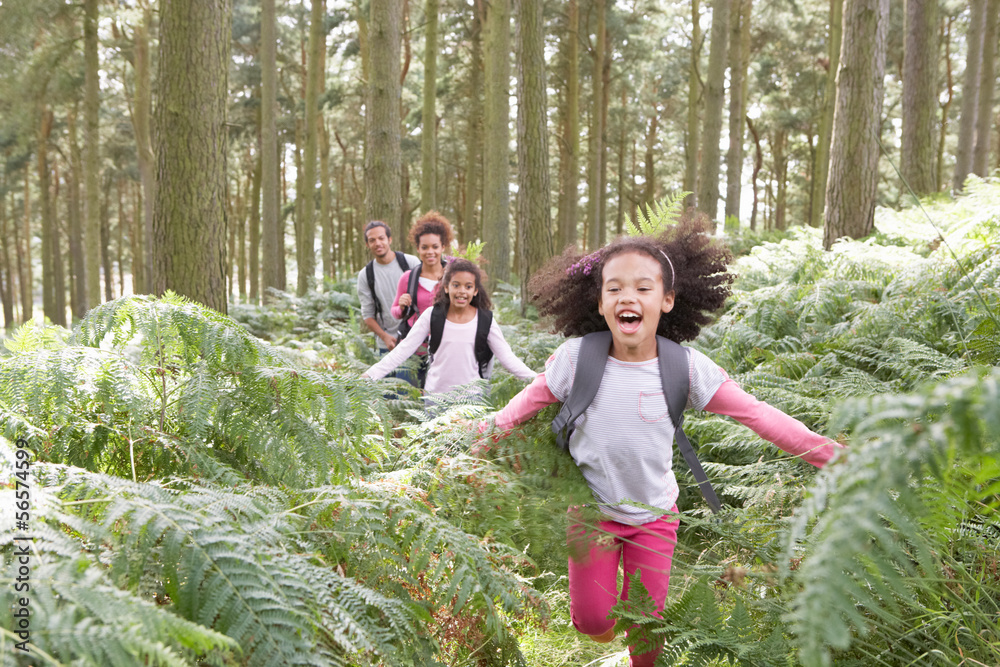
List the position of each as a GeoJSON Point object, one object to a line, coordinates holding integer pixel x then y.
{"type": "Point", "coordinates": [638, 287]}
{"type": "Point", "coordinates": [454, 360]}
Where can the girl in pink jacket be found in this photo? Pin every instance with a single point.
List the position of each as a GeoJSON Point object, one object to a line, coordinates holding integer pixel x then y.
{"type": "Point", "coordinates": [638, 287]}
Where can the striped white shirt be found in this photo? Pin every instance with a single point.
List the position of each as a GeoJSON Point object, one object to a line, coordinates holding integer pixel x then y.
{"type": "Point", "coordinates": [623, 442]}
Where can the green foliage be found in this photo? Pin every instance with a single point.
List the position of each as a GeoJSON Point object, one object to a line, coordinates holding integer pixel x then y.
{"type": "Point", "coordinates": [657, 217]}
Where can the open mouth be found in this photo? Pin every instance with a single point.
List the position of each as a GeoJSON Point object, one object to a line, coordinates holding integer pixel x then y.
{"type": "Point", "coordinates": [629, 321]}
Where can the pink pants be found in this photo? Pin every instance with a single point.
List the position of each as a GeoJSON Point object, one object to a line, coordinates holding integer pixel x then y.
{"type": "Point", "coordinates": [593, 570]}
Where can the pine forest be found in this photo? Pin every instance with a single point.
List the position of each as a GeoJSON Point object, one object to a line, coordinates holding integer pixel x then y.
{"type": "Point", "coordinates": [195, 468]}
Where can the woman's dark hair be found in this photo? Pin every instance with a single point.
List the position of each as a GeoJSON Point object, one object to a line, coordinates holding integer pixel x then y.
{"type": "Point", "coordinates": [482, 298]}
{"type": "Point", "coordinates": [568, 287]}
{"type": "Point", "coordinates": [432, 222]}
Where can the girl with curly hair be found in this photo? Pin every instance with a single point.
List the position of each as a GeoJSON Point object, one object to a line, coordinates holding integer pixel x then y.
{"type": "Point", "coordinates": [461, 302]}
{"type": "Point", "coordinates": [638, 288]}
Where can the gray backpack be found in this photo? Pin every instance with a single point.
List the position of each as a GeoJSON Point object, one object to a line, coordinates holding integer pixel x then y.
{"type": "Point", "coordinates": [673, 359]}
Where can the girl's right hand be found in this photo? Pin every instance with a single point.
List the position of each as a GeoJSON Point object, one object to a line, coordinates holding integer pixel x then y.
{"type": "Point", "coordinates": [404, 300]}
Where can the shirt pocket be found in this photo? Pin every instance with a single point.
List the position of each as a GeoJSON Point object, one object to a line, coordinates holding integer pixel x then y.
{"type": "Point", "coordinates": [652, 406]}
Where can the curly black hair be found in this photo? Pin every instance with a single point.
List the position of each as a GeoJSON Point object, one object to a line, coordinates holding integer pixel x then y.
{"type": "Point", "coordinates": [568, 287]}
{"type": "Point", "coordinates": [482, 298]}
{"type": "Point", "coordinates": [432, 222]}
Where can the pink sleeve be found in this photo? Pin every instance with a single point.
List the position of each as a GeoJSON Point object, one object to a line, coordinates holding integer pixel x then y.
{"type": "Point", "coordinates": [772, 424]}
{"type": "Point", "coordinates": [401, 286]}
{"type": "Point", "coordinates": [528, 403]}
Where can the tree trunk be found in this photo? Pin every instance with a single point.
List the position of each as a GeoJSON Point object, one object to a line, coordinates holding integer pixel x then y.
{"type": "Point", "coordinates": [138, 241]}
{"type": "Point", "coordinates": [254, 252]}
{"type": "Point", "coordinates": [821, 169]}
{"type": "Point", "coordinates": [945, 37]}
{"type": "Point", "coordinates": [496, 172]}
{"type": "Point", "coordinates": [534, 208]}
{"type": "Point", "coordinates": [851, 189]}
{"type": "Point", "coordinates": [272, 232]}
{"type": "Point", "coordinates": [77, 261]}
{"type": "Point", "coordinates": [326, 223]}
{"type": "Point", "coordinates": [91, 152]}
{"type": "Point", "coordinates": [739, 58]}
{"type": "Point", "coordinates": [987, 78]}
{"type": "Point", "coordinates": [144, 143]}
{"type": "Point", "coordinates": [758, 162]}
{"type": "Point", "coordinates": [570, 146]}
{"type": "Point", "coordinates": [6, 267]}
{"type": "Point", "coordinates": [49, 233]}
{"type": "Point", "coordinates": [24, 269]}
{"type": "Point", "coordinates": [649, 194]}
{"type": "Point", "coordinates": [474, 131]}
{"type": "Point", "coordinates": [428, 118]}
{"type": "Point", "coordinates": [189, 212]}
{"type": "Point", "coordinates": [970, 94]}
{"type": "Point", "coordinates": [692, 138]}
{"type": "Point", "coordinates": [780, 171]}
{"type": "Point", "coordinates": [920, 59]}
{"type": "Point", "coordinates": [383, 161]}
{"type": "Point", "coordinates": [596, 139]}
{"type": "Point", "coordinates": [109, 279]}
{"type": "Point", "coordinates": [305, 238]}
{"type": "Point", "coordinates": [58, 269]}
{"type": "Point", "coordinates": [708, 177]}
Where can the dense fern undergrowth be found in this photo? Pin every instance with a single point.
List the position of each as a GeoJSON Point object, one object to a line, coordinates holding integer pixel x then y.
{"type": "Point", "coordinates": [216, 491]}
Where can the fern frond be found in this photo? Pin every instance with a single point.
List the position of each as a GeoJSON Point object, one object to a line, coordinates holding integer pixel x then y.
{"type": "Point", "coordinates": [657, 217]}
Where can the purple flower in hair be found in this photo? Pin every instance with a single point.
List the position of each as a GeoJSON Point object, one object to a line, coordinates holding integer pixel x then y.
{"type": "Point", "coordinates": [585, 264]}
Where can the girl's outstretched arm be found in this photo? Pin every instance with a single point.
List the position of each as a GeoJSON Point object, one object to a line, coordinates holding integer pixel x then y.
{"type": "Point", "coordinates": [402, 351]}
{"type": "Point", "coordinates": [772, 424]}
{"type": "Point", "coordinates": [528, 403]}
{"type": "Point", "coordinates": [506, 356]}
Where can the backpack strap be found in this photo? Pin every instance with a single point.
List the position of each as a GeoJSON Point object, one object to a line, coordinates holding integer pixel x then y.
{"type": "Point", "coordinates": [438, 315]}
{"type": "Point", "coordinates": [370, 275]}
{"type": "Point", "coordinates": [483, 352]}
{"type": "Point", "coordinates": [408, 311]}
{"type": "Point", "coordinates": [594, 349]}
{"type": "Point", "coordinates": [674, 370]}
{"type": "Point", "coordinates": [401, 260]}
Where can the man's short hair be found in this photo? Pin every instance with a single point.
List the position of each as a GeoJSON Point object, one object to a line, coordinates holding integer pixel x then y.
{"type": "Point", "coordinates": [372, 225]}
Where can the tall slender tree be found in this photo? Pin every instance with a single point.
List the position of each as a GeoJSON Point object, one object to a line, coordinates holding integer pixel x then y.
{"type": "Point", "coordinates": [496, 151]}
{"type": "Point", "coordinates": [595, 196]}
{"type": "Point", "coordinates": [920, 58]}
{"type": "Point", "coordinates": [821, 165]}
{"type": "Point", "coordinates": [987, 86]}
{"type": "Point", "coordinates": [189, 218]}
{"type": "Point", "coordinates": [78, 264]}
{"type": "Point", "coordinates": [569, 164]}
{"type": "Point", "coordinates": [474, 128]}
{"type": "Point", "coordinates": [383, 160]}
{"type": "Point", "coordinates": [970, 94]}
{"type": "Point", "coordinates": [272, 232]}
{"type": "Point", "coordinates": [428, 123]}
{"type": "Point", "coordinates": [91, 152]}
{"type": "Point", "coordinates": [534, 209]}
{"type": "Point", "coordinates": [739, 59]}
{"type": "Point", "coordinates": [708, 175]}
{"type": "Point", "coordinates": [305, 241]}
{"type": "Point", "coordinates": [692, 138]}
{"type": "Point", "coordinates": [851, 188]}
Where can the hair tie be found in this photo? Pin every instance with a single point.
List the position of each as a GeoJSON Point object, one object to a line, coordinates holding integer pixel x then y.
{"type": "Point", "coordinates": [673, 275]}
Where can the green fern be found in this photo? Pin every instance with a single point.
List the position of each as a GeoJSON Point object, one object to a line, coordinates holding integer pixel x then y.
{"type": "Point", "coordinates": [656, 217]}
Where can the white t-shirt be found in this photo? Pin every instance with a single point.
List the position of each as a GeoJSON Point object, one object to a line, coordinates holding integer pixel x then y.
{"type": "Point", "coordinates": [455, 360]}
{"type": "Point", "coordinates": [623, 442]}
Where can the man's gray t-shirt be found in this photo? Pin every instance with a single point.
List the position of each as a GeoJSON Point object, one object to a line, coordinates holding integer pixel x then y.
{"type": "Point", "coordinates": [386, 280]}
